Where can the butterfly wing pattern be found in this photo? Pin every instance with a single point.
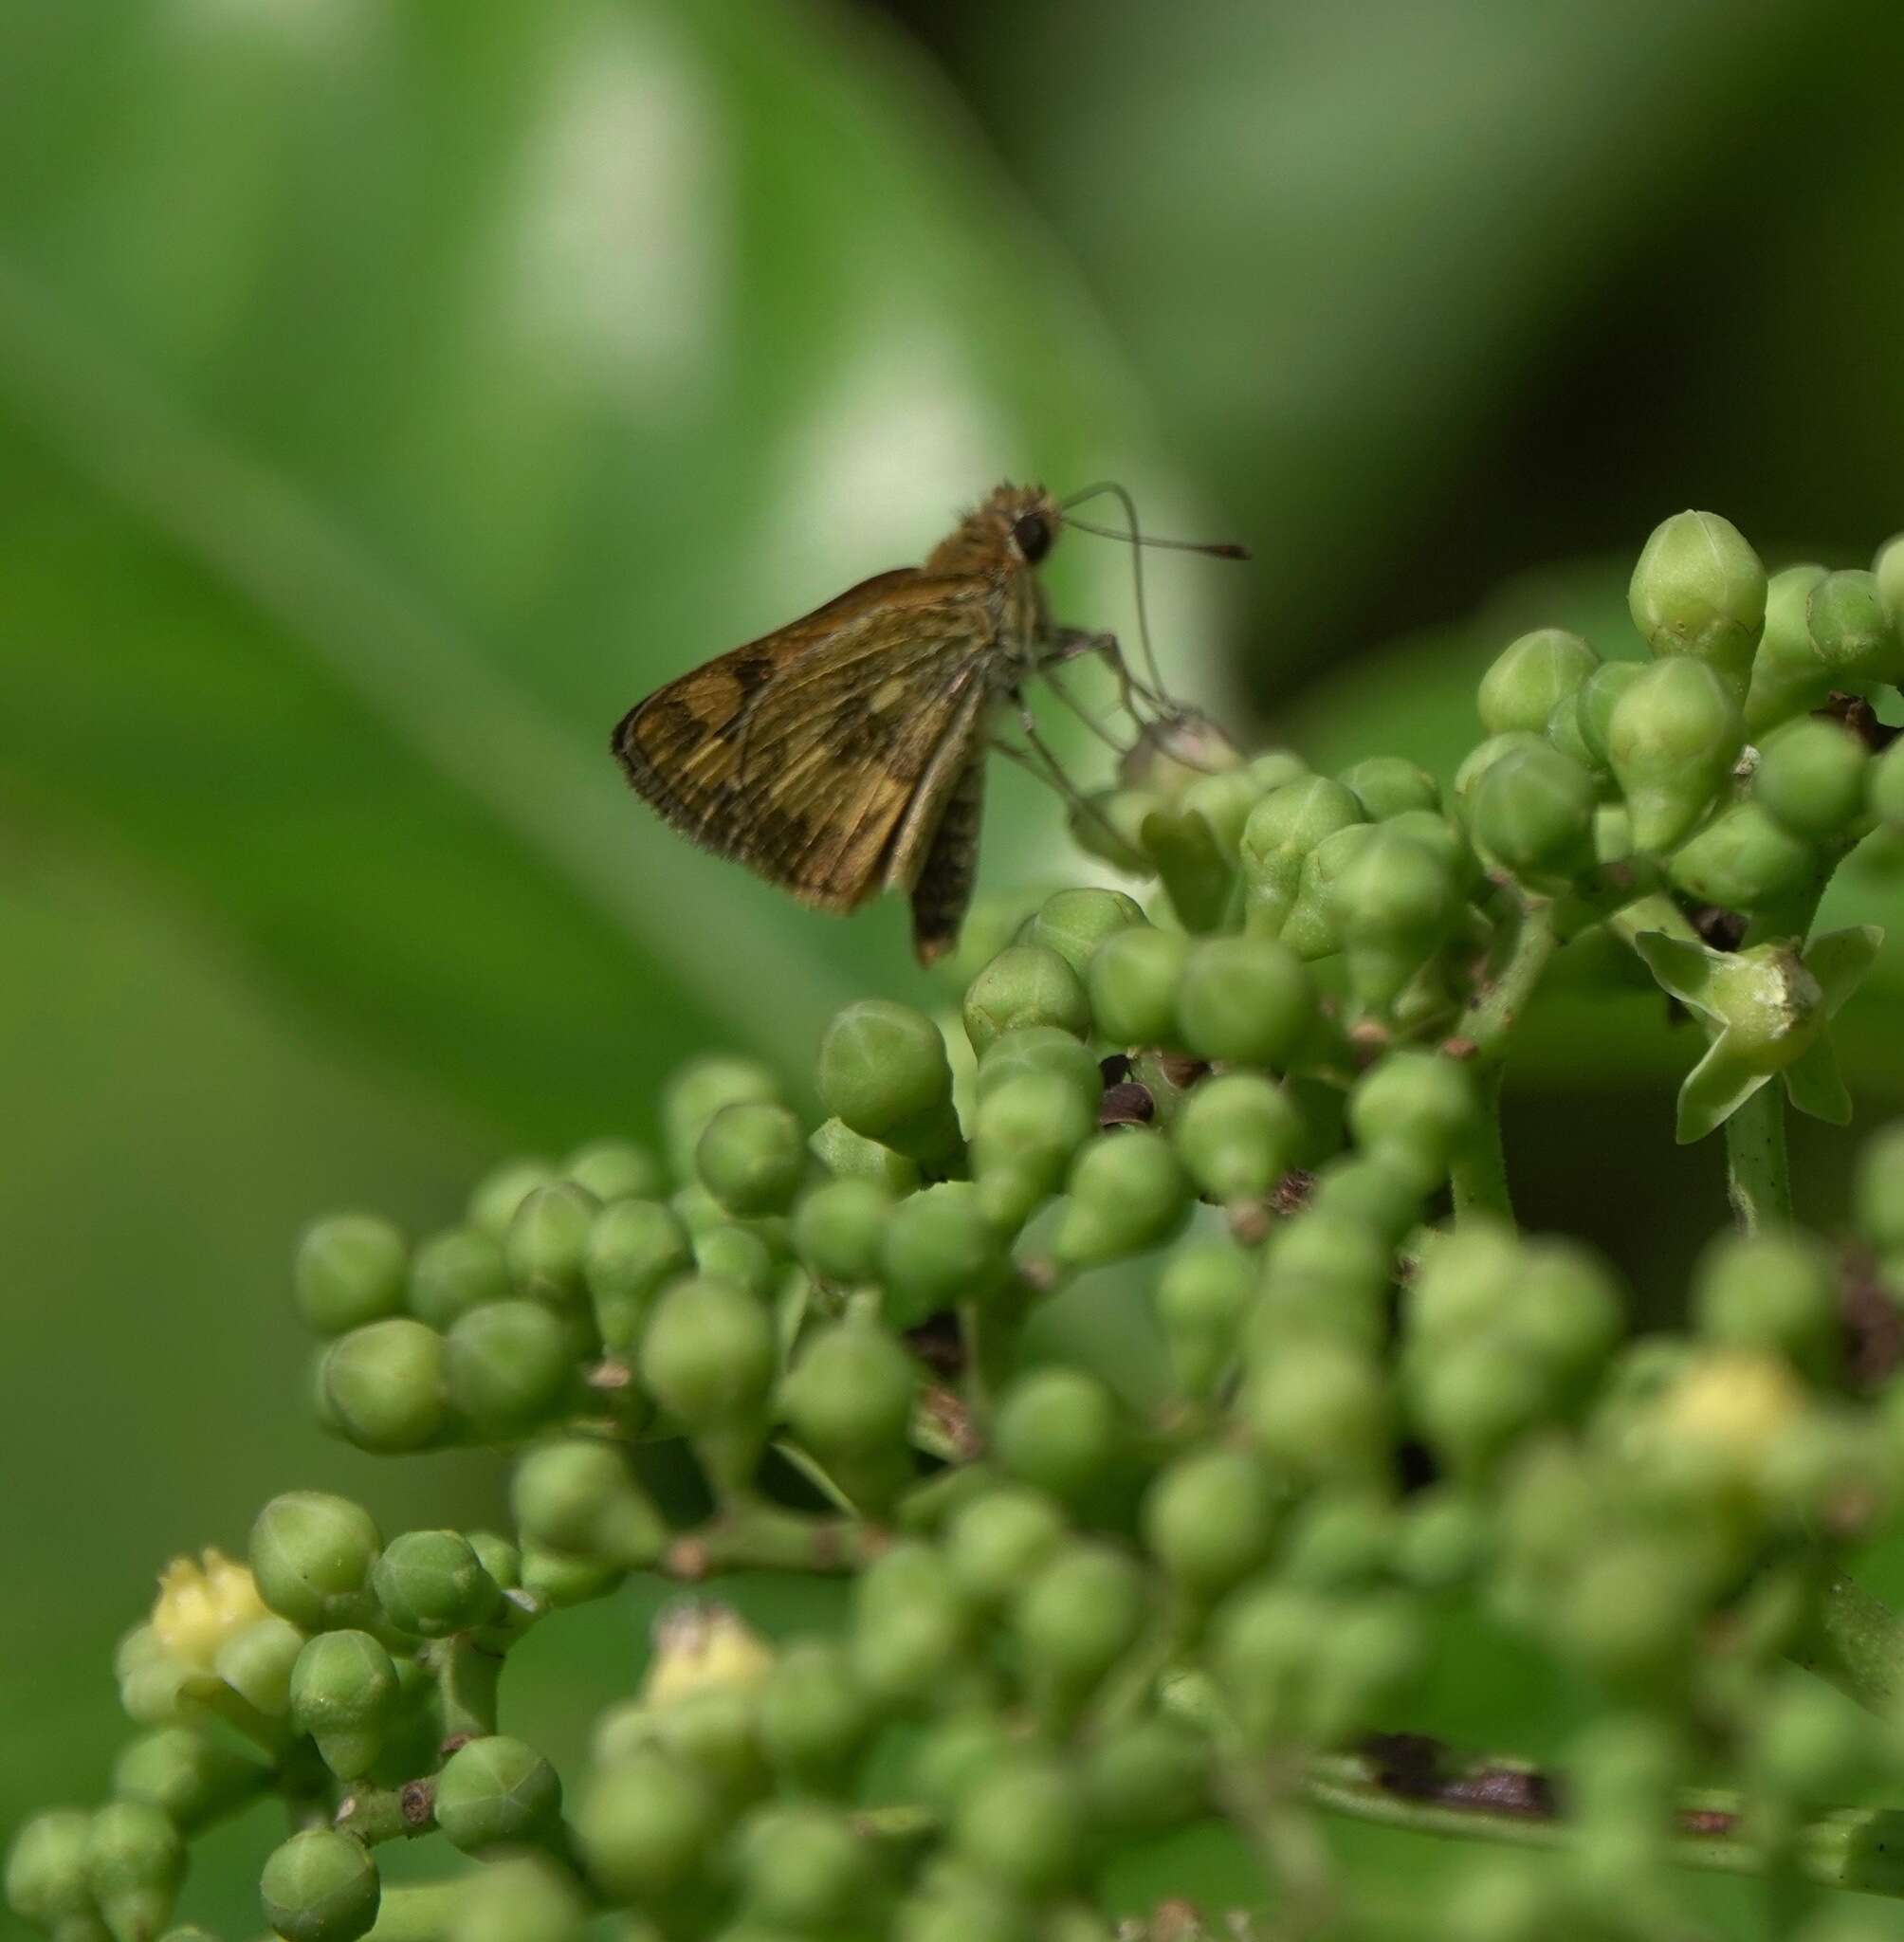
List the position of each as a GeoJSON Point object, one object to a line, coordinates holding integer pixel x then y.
{"type": "Point", "coordinates": [829, 756]}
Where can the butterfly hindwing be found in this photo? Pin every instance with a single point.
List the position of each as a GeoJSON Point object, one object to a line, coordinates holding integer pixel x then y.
{"type": "Point", "coordinates": [822, 755]}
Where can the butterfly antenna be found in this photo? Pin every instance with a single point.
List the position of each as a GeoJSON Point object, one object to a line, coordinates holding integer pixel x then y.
{"type": "Point", "coordinates": [1217, 550]}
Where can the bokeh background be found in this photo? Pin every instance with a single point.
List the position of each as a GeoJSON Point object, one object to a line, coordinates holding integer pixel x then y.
{"type": "Point", "coordinates": [392, 392]}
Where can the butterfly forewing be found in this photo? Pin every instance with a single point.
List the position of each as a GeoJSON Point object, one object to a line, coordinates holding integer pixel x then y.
{"type": "Point", "coordinates": [822, 755]}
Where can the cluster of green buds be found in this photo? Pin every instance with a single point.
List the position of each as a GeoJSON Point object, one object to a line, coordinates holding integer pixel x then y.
{"type": "Point", "coordinates": [1254, 1131]}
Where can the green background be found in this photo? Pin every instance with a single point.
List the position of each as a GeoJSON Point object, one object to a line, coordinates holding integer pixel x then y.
{"type": "Point", "coordinates": [390, 394]}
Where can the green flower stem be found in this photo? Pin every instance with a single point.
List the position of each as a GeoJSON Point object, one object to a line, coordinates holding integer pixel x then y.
{"type": "Point", "coordinates": [755, 1536]}
{"type": "Point", "coordinates": [467, 1679]}
{"type": "Point", "coordinates": [1856, 1642]}
{"type": "Point", "coordinates": [376, 1814]}
{"type": "Point", "coordinates": [1854, 1848]}
{"type": "Point", "coordinates": [1479, 1172]}
{"type": "Point", "coordinates": [1490, 1019]}
{"type": "Point", "coordinates": [1758, 1180]}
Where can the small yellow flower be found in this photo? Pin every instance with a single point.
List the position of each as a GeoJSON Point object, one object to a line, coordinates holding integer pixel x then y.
{"type": "Point", "coordinates": [201, 1603]}
{"type": "Point", "coordinates": [700, 1644]}
{"type": "Point", "coordinates": [1733, 1400]}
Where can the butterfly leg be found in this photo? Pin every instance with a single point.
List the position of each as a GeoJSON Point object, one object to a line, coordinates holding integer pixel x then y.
{"type": "Point", "coordinates": [1037, 757]}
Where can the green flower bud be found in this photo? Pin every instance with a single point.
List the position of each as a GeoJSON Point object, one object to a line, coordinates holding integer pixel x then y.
{"type": "Point", "coordinates": [1025, 984]}
{"type": "Point", "coordinates": [191, 1779]}
{"type": "Point", "coordinates": [46, 1873]}
{"type": "Point", "coordinates": [1529, 676]}
{"type": "Point", "coordinates": [349, 1270]}
{"type": "Point", "coordinates": [1367, 1191]}
{"type": "Point", "coordinates": [1109, 824]}
{"type": "Point", "coordinates": [256, 1663]}
{"type": "Point", "coordinates": [1565, 733]}
{"type": "Point", "coordinates": [884, 1072]}
{"type": "Point", "coordinates": [1631, 1608]}
{"type": "Point", "coordinates": [1885, 795]}
{"type": "Point", "coordinates": [432, 1583]}
{"type": "Point", "coordinates": [321, 1886]}
{"type": "Point", "coordinates": [1595, 702]}
{"type": "Point", "coordinates": [1810, 778]}
{"type": "Point", "coordinates": [1811, 1744]}
{"type": "Point", "coordinates": [1480, 759]}
{"type": "Point", "coordinates": [1245, 999]}
{"type": "Point", "coordinates": [498, 1194]}
{"type": "Point", "coordinates": [616, 1170]}
{"type": "Point", "coordinates": [848, 1155]}
{"type": "Point", "coordinates": [994, 1542]}
{"type": "Point", "coordinates": [1042, 1048]}
{"type": "Point", "coordinates": [1414, 1109]}
{"type": "Point", "coordinates": [495, 1791]}
{"type": "Point", "coordinates": [1079, 1614]}
{"type": "Point", "coordinates": [455, 1272]}
{"type": "Point", "coordinates": [1208, 1519]}
{"type": "Point", "coordinates": [1238, 1135]}
{"type": "Point", "coordinates": [1283, 828]}
{"type": "Point", "coordinates": [1323, 1275]}
{"type": "Point", "coordinates": [1223, 803]}
{"type": "Point", "coordinates": [548, 1242]}
{"type": "Point", "coordinates": [1132, 980]}
{"type": "Point", "coordinates": [1057, 1428]}
{"type": "Point", "coordinates": [1318, 1409]}
{"type": "Point", "coordinates": [752, 1158]}
{"type": "Point", "coordinates": [939, 1251]}
{"type": "Point", "coordinates": [1074, 922]}
{"type": "Point", "coordinates": [1567, 1313]}
{"type": "Point", "coordinates": [813, 1719]}
{"type": "Point", "coordinates": [1878, 1189]}
{"type": "Point", "coordinates": [522, 1899]}
{"type": "Point", "coordinates": [1787, 675]}
{"type": "Point", "coordinates": [1343, 1537]}
{"type": "Point", "coordinates": [1387, 785]}
{"type": "Point", "coordinates": [708, 1354]}
{"type": "Point", "coordinates": [1393, 906]}
{"type": "Point", "coordinates": [135, 1860]}
{"type": "Point", "coordinates": [645, 1826]}
{"type": "Point", "coordinates": [580, 1499]}
{"type": "Point", "coordinates": [1852, 631]}
{"type": "Point", "coordinates": [1372, 1657]}
{"type": "Point", "coordinates": [1771, 1292]}
{"type": "Point", "coordinates": [1023, 1137]}
{"type": "Point", "coordinates": [1190, 859]}
{"type": "Point", "coordinates": [1202, 1293]}
{"type": "Point", "coordinates": [1310, 930]}
{"type": "Point", "coordinates": [1532, 814]}
{"type": "Point", "coordinates": [1146, 1777]}
{"type": "Point", "coordinates": [911, 1626]}
{"type": "Point", "coordinates": [849, 1396]}
{"type": "Point", "coordinates": [697, 1090]}
{"type": "Point", "coordinates": [1699, 590]}
{"type": "Point", "coordinates": [802, 1864]}
{"type": "Point", "coordinates": [1742, 860]}
{"type": "Point", "coordinates": [1266, 1643]}
{"type": "Point", "coordinates": [383, 1384]}
{"type": "Point", "coordinates": [634, 1249]}
{"type": "Point", "coordinates": [1671, 741]}
{"type": "Point", "coordinates": [1025, 1826]}
{"type": "Point", "coordinates": [557, 1581]}
{"type": "Point", "coordinates": [1127, 1192]}
{"type": "Point", "coordinates": [743, 1256]}
{"type": "Point", "coordinates": [839, 1228]}
{"type": "Point", "coordinates": [956, 1754]}
{"type": "Point", "coordinates": [343, 1694]}
{"type": "Point", "coordinates": [509, 1367]}
{"type": "Point", "coordinates": [1475, 1399]}
{"type": "Point", "coordinates": [311, 1556]}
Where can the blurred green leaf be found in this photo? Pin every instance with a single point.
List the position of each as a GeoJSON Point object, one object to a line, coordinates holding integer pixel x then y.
{"type": "Point", "coordinates": [388, 397]}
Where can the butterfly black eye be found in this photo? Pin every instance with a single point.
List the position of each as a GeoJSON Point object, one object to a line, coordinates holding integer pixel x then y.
{"type": "Point", "coordinates": [1033, 533]}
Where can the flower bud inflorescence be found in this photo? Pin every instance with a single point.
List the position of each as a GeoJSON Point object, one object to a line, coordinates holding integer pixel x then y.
{"type": "Point", "coordinates": [1248, 1121]}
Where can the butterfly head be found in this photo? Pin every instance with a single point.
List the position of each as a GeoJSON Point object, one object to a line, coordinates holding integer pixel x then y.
{"type": "Point", "coordinates": [1014, 529]}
